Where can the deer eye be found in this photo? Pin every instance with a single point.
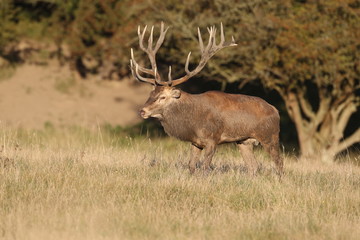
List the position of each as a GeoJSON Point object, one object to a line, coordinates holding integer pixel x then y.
{"type": "Point", "coordinates": [162, 98]}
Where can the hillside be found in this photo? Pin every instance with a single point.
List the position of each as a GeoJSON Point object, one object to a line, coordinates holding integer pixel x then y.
{"type": "Point", "coordinates": [35, 96]}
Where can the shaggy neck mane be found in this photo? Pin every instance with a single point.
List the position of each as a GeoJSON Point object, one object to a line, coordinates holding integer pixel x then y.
{"type": "Point", "coordinates": [177, 117]}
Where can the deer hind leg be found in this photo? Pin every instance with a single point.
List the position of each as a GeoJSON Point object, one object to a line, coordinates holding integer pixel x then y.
{"type": "Point", "coordinates": [272, 148]}
{"type": "Point", "coordinates": [247, 151]}
{"type": "Point", "coordinates": [208, 155]}
{"type": "Point", "coordinates": [195, 158]}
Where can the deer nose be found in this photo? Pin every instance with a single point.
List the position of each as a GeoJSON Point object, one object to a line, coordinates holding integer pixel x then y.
{"type": "Point", "coordinates": [142, 113]}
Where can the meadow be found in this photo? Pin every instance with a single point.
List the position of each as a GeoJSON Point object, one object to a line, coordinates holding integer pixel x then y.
{"type": "Point", "coordinates": [77, 183]}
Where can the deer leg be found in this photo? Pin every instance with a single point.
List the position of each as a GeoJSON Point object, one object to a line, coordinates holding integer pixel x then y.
{"type": "Point", "coordinates": [209, 153]}
{"type": "Point", "coordinates": [247, 153]}
{"type": "Point", "coordinates": [273, 149]}
{"type": "Point", "coordinates": [195, 156]}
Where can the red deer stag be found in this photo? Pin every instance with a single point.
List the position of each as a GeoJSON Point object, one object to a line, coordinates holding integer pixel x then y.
{"type": "Point", "coordinates": [210, 118]}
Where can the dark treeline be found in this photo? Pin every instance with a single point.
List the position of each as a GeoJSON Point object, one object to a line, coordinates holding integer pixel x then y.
{"type": "Point", "coordinates": [303, 56]}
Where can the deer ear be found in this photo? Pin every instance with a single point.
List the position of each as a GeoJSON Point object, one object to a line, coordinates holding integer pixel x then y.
{"type": "Point", "coordinates": [175, 93]}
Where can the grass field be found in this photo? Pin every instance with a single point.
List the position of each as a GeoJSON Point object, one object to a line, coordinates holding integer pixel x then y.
{"type": "Point", "coordinates": [81, 184]}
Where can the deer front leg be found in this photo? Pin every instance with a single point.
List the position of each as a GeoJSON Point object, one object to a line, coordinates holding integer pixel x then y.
{"type": "Point", "coordinates": [209, 153]}
{"type": "Point", "coordinates": [195, 157]}
{"type": "Point", "coordinates": [247, 152]}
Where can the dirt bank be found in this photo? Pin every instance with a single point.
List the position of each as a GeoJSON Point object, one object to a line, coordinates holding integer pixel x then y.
{"type": "Point", "coordinates": [37, 95]}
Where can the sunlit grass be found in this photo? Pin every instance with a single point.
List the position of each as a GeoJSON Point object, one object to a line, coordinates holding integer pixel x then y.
{"type": "Point", "coordinates": [87, 184]}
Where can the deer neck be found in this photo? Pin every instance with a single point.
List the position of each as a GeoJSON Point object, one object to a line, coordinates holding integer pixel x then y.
{"type": "Point", "coordinates": [178, 118]}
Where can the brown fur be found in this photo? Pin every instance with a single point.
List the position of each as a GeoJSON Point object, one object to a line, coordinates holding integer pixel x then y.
{"type": "Point", "coordinates": [213, 118]}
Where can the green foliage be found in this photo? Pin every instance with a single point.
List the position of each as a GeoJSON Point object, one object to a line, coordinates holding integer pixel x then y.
{"type": "Point", "coordinates": [7, 26]}
{"type": "Point", "coordinates": [184, 20]}
{"type": "Point", "coordinates": [312, 61]}
{"type": "Point", "coordinates": [289, 37]}
{"type": "Point", "coordinates": [299, 40]}
{"type": "Point", "coordinates": [99, 29]}
{"type": "Point", "coordinates": [315, 42]}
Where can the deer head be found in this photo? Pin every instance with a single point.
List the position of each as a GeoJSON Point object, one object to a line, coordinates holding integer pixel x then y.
{"type": "Point", "coordinates": [164, 92]}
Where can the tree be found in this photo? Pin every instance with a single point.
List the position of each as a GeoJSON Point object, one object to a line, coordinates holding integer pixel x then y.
{"type": "Point", "coordinates": [7, 34]}
{"type": "Point", "coordinates": [308, 51]}
{"type": "Point", "coordinates": [94, 31]}
{"type": "Point", "coordinates": [313, 62]}
{"type": "Point", "coordinates": [184, 19]}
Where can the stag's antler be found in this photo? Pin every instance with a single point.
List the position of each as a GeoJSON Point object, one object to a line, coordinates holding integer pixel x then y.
{"type": "Point", "coordinates": [151, 52]}
{"type": "Point", "coordinates": [206, 53]}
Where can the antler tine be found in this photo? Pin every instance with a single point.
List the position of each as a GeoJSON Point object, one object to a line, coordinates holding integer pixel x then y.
{"type": "Point", "coordinates": [141, 37]}
{"type": "Point", "coordinates": [214, 36]}
{"type": "Point", "coordinates": [151, 52]}
{"type": "Point", "coordinates": [145, 70]}
{"type": "Point", "coordinates": [132, 69]}
{"type": "Point", "coordinates": [200, 41]}
{"type": "Point", "coordinates": [233, 41]}
{"type": "Point", "coordinates": [169, 77]}
{"type": "Point", "coordinates": [157, 79]}
{"type": "Point", "coordinates": [222, 35]}
{"type": "Point", "coordinates": [138, 68]}
{"type": "Point", "coordinates": [206, 53]}
{"type": "Point", "coordinates": [161, 37]}
{"type": "Point", "coordinates": [153, 81]}
{"type": "Point", "coordinates": [137, 75]}
{"type": "Point", "coordinates": [187, 63]}
{"type": "Point", "coordinates": [150, 42]}
{"type": "Point", "coordinates": [210, 43]}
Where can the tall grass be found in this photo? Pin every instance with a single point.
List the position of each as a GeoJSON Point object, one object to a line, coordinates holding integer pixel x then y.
{"type": "Point", "coordinates": [82, 184]}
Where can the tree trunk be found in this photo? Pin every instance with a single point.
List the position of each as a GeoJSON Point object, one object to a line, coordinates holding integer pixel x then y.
{"type": "Point", "coordinates": [306, 144]}
{"type": "Point", "coordinates": [320, 133]}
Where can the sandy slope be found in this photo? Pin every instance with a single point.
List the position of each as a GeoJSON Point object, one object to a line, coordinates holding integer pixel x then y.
{"type": "Point", "coordinates": [36, 95]}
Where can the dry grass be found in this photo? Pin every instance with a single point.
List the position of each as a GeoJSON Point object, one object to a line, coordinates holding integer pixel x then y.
{"type": "Point", "coordinates": [74, 184]}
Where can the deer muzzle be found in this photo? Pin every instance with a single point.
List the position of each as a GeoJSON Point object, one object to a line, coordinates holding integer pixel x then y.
{"type": "Point", "coordinates": [144, 114]}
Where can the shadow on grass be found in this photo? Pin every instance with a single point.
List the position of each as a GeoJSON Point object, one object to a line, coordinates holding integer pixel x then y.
{"type": "Point", "coordinates": [149, 128]}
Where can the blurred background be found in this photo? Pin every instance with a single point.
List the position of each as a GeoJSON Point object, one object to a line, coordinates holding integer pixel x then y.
{"type": "Point", "coordinates": [66, 63]}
